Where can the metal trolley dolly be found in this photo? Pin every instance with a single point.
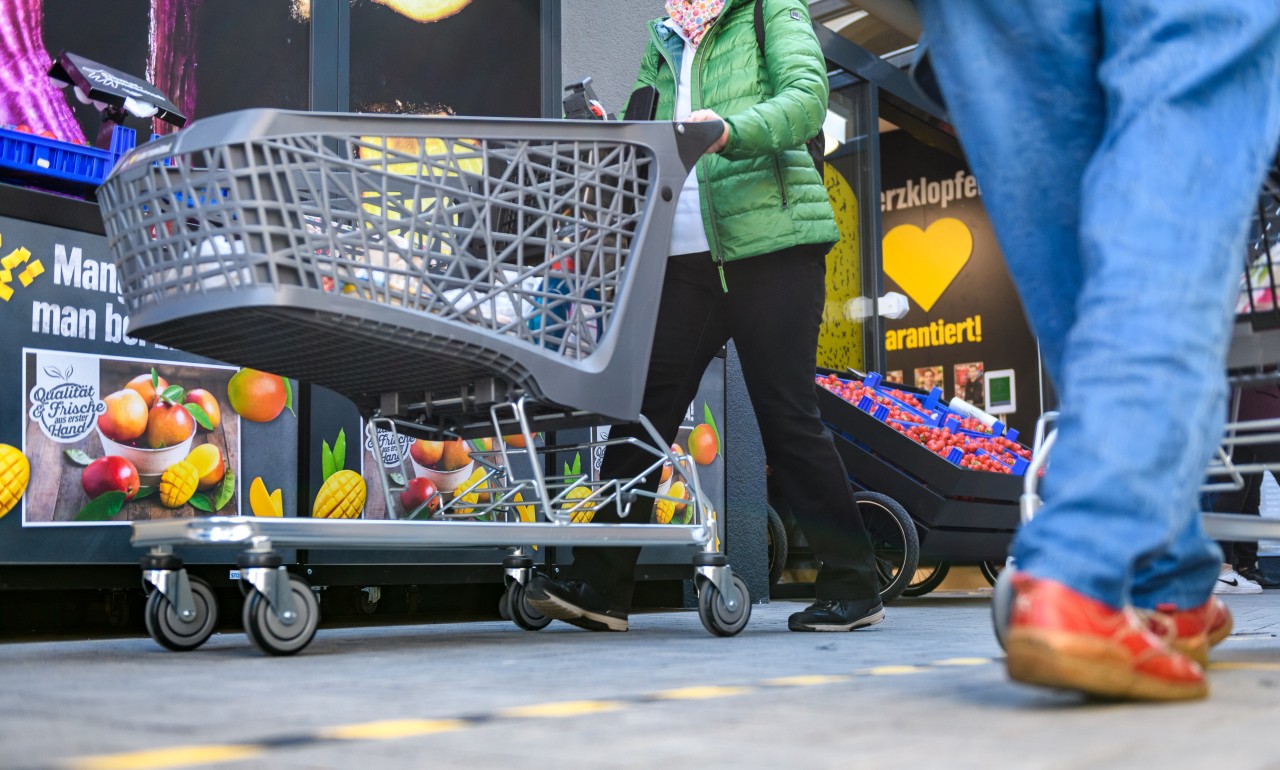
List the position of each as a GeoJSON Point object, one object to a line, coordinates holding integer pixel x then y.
{"type": "Point", "coordinates": [1253, 360]}
{"type": "Point", "coordinates": [452, 277]}
{"type": "Point", "coordinates": [926, 506]}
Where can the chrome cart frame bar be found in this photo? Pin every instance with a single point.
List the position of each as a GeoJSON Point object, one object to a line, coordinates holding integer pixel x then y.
{"type": "Point", "coordinates": [357, 533]}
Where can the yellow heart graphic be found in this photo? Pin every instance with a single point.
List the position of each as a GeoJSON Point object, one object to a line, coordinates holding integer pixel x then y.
{"type": "Point", "coordinates": [925, 262]}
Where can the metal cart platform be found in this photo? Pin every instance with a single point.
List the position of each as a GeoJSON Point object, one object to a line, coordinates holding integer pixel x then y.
{"type": "Point", "coordinates": [453, 277]}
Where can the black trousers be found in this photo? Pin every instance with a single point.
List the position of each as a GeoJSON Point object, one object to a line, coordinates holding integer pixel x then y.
{"type": "Point", "coordinates": [772, 311]}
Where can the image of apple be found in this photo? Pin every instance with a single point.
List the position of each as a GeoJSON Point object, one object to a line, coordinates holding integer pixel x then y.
{"type": "Point", "coordinates": [205, 400]}
{"type": "Point", "coordinates": [143, 387]}
{"type": "Point", "coordinates": [110, 474]}
{"type": "Point", "coordinates": [168, 425]}
{"type": "Point", "coordinates": [420, 490]}
{"type": "Point", "coordinates": [427, 453]}
{"type": "Point", "coordinates": [125, 417]}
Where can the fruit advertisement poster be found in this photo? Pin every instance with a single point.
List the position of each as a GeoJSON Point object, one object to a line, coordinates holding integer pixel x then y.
{"type": "Point", "coordinates": [114, 440]}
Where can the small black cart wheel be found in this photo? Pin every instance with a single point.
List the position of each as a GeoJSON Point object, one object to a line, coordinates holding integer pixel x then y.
{"type": "Point", "coordinates": [504, 609]}
{"type": "Point", "coordinates": [268, 633]}
{"type": "Point", "coordinates": [927, 578]}
{"type": "Point", "coordinates": [171, 631]}
{"type": "Point", "coordinates": [716, 615]}
{"type": "Point", "coordinates": [991, 570]}
{"type": "Point", "coordinates": [778, 545]}
{"type": "Point", "coordinates": [894, 541]}
{"type": "Point", "coordinates": [519, 611]}
{"type": "Point", "coordinates": [365, 603]}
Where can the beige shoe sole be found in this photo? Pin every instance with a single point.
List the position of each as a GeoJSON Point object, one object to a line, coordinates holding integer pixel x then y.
{"type": "Point", "coordinates": [1090, 666]}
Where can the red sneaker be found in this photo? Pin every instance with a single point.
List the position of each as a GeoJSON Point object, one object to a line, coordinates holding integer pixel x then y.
{"type": "Point", "coordinates": [1191, 632]}
{"type": "Point", "coordinates": [1061, 638]}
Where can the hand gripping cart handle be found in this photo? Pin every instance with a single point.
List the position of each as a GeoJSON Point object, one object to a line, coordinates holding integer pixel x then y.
{"type": "Point", "coordinates": [450, 276]}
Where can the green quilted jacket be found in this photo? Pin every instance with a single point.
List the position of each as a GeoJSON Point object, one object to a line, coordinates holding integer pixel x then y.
{"type": "Point", "coordinates": [761, 193]}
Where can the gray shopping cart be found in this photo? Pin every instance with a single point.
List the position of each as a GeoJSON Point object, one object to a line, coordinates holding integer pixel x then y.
{"type": "Point", "coordinates": [452, 277]}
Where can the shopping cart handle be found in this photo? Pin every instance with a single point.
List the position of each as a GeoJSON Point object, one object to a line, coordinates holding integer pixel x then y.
{"type": "Point", "coordinates": [693, 139]}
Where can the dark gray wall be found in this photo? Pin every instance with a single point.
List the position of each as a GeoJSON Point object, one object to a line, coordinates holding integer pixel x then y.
{"type": "Point", "coordinates": [604, 39]}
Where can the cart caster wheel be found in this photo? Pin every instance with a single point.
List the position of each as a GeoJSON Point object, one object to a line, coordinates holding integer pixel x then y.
{"type": "Point", "coordinates": [171, 631]}
{"type": "Point", "coordinates": [504, 611]}
{"type": "Point", "coordinates": [518, 610]}
{"type": "Point", "coordinates": [927, 577]}
{"type": "Point", "coordinates": [716, 616]}
{"type": "Point", "coordinates": [266, 631]}
{"type": "Point", "coordinates": [1002, 604]}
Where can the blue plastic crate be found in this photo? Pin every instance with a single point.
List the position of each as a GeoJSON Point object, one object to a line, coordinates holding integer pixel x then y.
{"type": "Point", "coordinates": [55, 163]}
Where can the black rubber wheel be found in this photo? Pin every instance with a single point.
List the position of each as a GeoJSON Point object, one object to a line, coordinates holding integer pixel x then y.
{"type": "Point", "coordinates": [778, 545]}
{"type": "Point", "coordinates": [504, 610]}
{"type": "Point", "coordinates": [519, 611]}
{"type": "Point", "coordinates": [269, 634]}
{"type": "Point", "coordinates": [363, 604]}
{"type": "Point", "coordinates": [718, 618]}
{"type": "Point", "coordinates": [893, 540]}
{"type": "Point", "coordinates": [991, 570]}
{"type": "Point", "coordinates": [927, 578]}
{"type": "Point", "coordinates": [171, 631]}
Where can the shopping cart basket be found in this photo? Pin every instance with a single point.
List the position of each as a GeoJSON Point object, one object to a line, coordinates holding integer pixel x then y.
{"type": "Point", "coordinates": [450, 276]}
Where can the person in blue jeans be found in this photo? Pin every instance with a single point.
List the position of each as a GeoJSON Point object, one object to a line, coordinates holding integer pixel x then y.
{"type": "Point", "coordinates": [1119, 146]}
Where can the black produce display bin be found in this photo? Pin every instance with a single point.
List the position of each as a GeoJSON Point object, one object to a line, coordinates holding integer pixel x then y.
{"type": "Point", "coordinates": [962, 515]}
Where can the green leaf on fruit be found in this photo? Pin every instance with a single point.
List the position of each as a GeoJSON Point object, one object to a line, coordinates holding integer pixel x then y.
{"type": "Point", "coordinates": [225, 491]}
{"type": "Point", "coordinates": [686, 516]}
{"type": "Point", "coordinates": [398, 479]}
{"type": "Point", "coordinates": [173, 394]}
{"type": "Point", "coordinates": [144, 492]}
{"type": "Point", "coordinates": [102, 508]}
{"type": "Point", "coordinates": [326, 461]}
{"type": "Point", "coordinates": [340, 451]}
{"type": "Point", "coordinates": [200, 501]}
{"type": "Point", "coordinates": [78, 457]}
{"type": "Point", "coordinates": [288, 396]}
{"type": "Point", "coordinates": [710, 419]}
{"type": "Point", "coordinates": [577, 465]}
{"type": "Point", "coordinates": [200, 415]}
{"type": "Point", "coordinates": [155, 379]}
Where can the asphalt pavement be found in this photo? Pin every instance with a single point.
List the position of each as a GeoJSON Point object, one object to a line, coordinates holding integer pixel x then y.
{"type": "Point", "coordinates": [925, 688]}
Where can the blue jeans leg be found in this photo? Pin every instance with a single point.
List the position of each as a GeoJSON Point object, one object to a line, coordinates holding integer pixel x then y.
{"type": "Point", "coordinates": [1178, 99]}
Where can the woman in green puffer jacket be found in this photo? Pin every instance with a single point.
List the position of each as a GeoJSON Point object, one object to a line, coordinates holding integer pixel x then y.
{"type": "Point", "coordinates": [752, 227]}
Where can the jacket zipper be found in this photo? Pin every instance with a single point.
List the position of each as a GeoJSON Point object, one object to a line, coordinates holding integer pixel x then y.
{"type": "Point", "coordinates": [777, 173]}
{"type": "Point", "coordinates": [697, 89]}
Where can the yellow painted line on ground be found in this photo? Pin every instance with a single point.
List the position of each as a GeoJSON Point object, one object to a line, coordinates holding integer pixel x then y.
{"type": "Point", "coordinates": [177, 756]}
{"type": "Point", "coordinates": [391, 729]}
{"type": "Point", "coordinates": [699, 693]}
{"type": "Point", "coordinates": [806, 681]}
{"type": "Point", "coordinates": [1244, 666]}
{"type": "Point", "coordinates": [399, 729]}
{"type": "Point", "coordinates": [566, 709]}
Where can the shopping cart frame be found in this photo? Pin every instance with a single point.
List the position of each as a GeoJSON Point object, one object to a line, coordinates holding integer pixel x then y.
{"type": "Point", "coordinates": [238, 219]}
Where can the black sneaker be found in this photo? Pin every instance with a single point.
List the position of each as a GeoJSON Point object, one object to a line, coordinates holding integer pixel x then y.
{"type": "Point", "coordinates": [830, 615]}
{"type": "Point", "coordinates": [575, 602]}
{"type": "Point", "coordinates": [1258, 576]}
